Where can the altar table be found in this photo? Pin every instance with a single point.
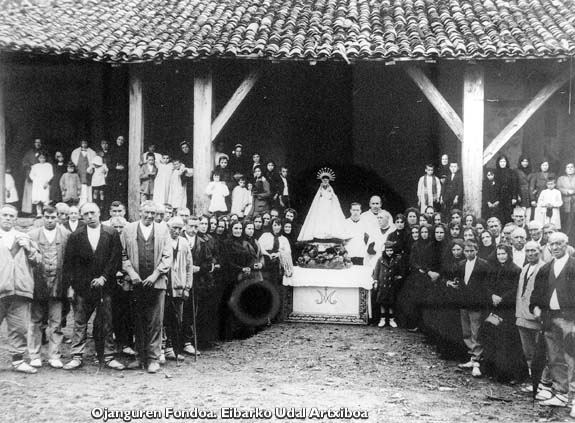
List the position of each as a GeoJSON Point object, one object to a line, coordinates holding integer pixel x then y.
{"type": "Point", "coordinates": [329, 295]}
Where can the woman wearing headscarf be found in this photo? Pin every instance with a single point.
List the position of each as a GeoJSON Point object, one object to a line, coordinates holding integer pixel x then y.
{"type": "Point", "coordinates": [523, 172]}
{"type": "Point", "coordinates": [502, 351]}
{"type": "Point", "coordinates": [486, 244]}
{"type": "Point", "coordinates": [507, 190]}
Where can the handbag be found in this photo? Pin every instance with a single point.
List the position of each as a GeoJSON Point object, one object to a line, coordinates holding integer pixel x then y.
{"type": "Point", "coordinates": [494, 319]}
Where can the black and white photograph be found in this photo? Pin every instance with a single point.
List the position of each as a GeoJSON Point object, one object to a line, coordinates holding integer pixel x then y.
{"type": "Point", "coordinates": [287, 210]}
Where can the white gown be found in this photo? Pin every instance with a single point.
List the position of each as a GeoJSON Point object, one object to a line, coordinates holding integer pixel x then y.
{"type": "Point", "coordinates": [162, 182]}
{"type": "Point", "coordinates": [325, 219]}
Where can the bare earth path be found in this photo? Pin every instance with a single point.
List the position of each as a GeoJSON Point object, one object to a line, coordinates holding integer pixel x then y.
{"type": "Point", "coordinates": [391, 375]}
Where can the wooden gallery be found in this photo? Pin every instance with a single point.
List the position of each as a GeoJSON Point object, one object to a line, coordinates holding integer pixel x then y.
{"type": "Point", "coordinates": [373, 88]}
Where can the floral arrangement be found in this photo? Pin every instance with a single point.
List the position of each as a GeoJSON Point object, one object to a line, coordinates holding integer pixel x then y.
{"type": "Point", "coordinates": [324, 256]}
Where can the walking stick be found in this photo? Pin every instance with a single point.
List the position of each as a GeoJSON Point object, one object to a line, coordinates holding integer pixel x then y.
{"type": "Point", "coordinates": [193, 298]}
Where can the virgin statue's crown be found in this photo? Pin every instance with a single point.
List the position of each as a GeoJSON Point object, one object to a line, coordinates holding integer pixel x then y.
{"type": "Point", "coordinates": [326, 172]}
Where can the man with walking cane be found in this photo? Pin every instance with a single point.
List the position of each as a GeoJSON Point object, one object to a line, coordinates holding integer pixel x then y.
{"type": "Point", "coordinates": [147, 259]}
{"type": "Point", "coordinates": [553, 301]}
{"type": "Point", "coordinates": [180, 279]}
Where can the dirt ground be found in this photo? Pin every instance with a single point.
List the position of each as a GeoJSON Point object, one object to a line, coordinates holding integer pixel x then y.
{"type": "Point", "coordinates": [390, 375]}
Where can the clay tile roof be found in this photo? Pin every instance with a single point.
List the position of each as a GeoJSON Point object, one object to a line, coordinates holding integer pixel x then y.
{"type": "Point", "coordinates": [126, 31]}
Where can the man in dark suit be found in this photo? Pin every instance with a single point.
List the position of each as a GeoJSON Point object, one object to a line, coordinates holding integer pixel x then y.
{"type": "Point", "coordinates": [471, 282]}
{"type": "Point", "coordinates": [553, 301]}
{"type": "Point", "coordinates": [92, 259]}
{"type": "Point", "coordinates": [453, 190]}
{"type": "Point", "coordinates": [203, 266]}
{"type": "Point", "coordinates": [284, 188]}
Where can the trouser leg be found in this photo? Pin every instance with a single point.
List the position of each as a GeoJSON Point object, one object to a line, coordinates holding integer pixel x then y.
{"type": "Point", "coordinates": [37, 309]}
{"type": "Point", "coordinates": [556, 356]}
{"type": "Point", "coordinates": [54, 330]}
{"type": "Point", "coordinates": [17, 314]}
{"type": "Point", "coordinates": [528, 343]}
{"type": "Point", "coordinates": [103, 332]}
{"type": "Point", "coordinates": [83, 310]}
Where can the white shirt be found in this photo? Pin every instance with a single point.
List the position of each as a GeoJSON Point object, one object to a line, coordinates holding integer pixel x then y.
{"type": "Point", "coordinates": [8, 238]}
{"type": "Point", "coordinates": [558, 265]}
{"type": "Point", "coordinates": [94, 236]}
{"type": "Point", "coordinates": [519, 257]}
{"type": "Point", "coordinates": [146, 230]}
{"type": "Point", "coordinates": [285, 193]}
{"type": "Point", "coordinates": [50, 235]}
{"type": "Point", "coordinates": [73, 225]}
{"type": "Point", "coordinates": [355, 246]}
{"type": "Point", "coordinates": [469, 265]}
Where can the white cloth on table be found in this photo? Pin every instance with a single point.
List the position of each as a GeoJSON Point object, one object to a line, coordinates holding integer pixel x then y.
{"type": "Point", "coordinates": [352, 277]}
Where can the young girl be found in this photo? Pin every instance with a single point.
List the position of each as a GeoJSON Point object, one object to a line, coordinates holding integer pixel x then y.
{"type": "Point", "coordinates": [70, 185]}
{"type": "Point", "coordinates": [41, 174]}
{"type": "Point", "coordinates": [148, 173]}
{"type": "Point", "coordinates": [548, 204]}
{"type": "Point", "coordinates": [386, 278]}
{"type": "Point", "coordinates": [177, 196]}
{"type": "Point", "coordinates": [241, 198]}
{"type": "Point", "coordinates": [99, 181]}
{"type": "Point", "coordinates": [217, 191]}
{"type": "Point", "coordinates": [162, 182]}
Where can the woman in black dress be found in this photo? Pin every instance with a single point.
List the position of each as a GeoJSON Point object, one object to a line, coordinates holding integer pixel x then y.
{"type": "Point", "coordinates": [507, 189]}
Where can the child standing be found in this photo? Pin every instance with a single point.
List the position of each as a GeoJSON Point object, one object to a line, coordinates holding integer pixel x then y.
{"type": "Point", "coordinates": [99, 181]}
{"type": "Point", "coordinates": [70, 185]}
{"type": "Point", "coordinates": [148, 172]}
{"type": "Point", "coordinates": [41, 174]}
{"type": "Point", "coordinates": [386, 278]}
{"type": "Point", "coordinates": [178, 197]}
{"type": "Point", "coordinates": [548, 204]}
{"type": "Point", "coordinates": [241, 199]}
{"type": "Point", "coordinates": [162, 181]}
{"type": "Point", "coordinates": [217, 191]}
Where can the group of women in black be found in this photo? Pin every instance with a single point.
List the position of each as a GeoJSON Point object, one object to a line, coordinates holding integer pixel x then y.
{"type": "Point", "coordinates": [431, 250]}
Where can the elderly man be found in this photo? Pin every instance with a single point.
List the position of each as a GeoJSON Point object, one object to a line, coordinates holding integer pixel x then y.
{"type": "Point", "coordinates": [93, 257]}
{"type": "Point", "coordinates": [536, 232]}
{"type": "Point", "coordinates": [376, 241]}
{"type": "Point", "coordinates": [17, 255]}
{"type": "Point", "coordinates": [147, 259]}
{"type": "Point", "coordinates": [180, 280]}
{"type": "Point", "coordinates": [518, 217]}
{"type": "Point", "coordinates": [518, 240]}
{"type": "Point", "coordinates": [370, 217]}
{"type": "Point", "coordinates": [49, 289]}
{"type": "Point", "coordinates": [553, 300]}
{"type": "Point", "coordinates": [529, 327]}
{"type": "Point", "coordinates": [116, 209]}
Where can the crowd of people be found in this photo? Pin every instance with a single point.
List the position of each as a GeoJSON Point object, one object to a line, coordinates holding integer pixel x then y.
{"type": "Point", "coordinates": [159, 286]}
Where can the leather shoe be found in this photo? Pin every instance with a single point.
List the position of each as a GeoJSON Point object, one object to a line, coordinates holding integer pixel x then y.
{"type": "Point", "coordinates": [55, 363]}
{"type": "Point", "coordinates": [543, 394]}
{"type": "Point", "coordinates": [476, 372]}
{"type": "Point", "coordinates": [189, 349]}
{"type": "Point", "coordinates": [153, 367]}
{"type": "Point", "coordinates": [469, 365]}
{"type": "Point", "coordinates": [115, 365]}
{"type": "Point", "coordinates": [23, 367]}
{"type": "Point", "coordinates": [36, 362]}
{"type": "Point", "coordinates": [73, 364]}
{"type": "Point", "coordinates": [134, 365]}
{"type": "Point", "coordinates": [557, 400]}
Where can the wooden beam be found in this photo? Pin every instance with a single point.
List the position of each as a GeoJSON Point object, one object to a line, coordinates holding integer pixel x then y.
{"type": "Point", "coordinates": [517, 123]}
{"type": "Point", "coordinates": [233, 103]}
{"type": "Point", "coordinates": [2, 144]}
{"type": "Point", "coordinates": [203, 163]}
{"type": "Point", "coordinates": [472, 147]}
{"type": "Point", "coordinates": [437, 100]}
{"type": "Point", "coordinates": [135, 143]}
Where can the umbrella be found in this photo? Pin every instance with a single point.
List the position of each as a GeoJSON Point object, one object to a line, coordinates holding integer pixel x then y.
{"type": "Point", "coordinates": [539, 361]}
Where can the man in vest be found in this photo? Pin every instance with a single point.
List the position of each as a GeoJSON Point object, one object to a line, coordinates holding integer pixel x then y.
{"type": "Point", "coordinates": [147, 259]}
{"type": "Point", "coordinates": [553, 301]}
{"type": "Point", "coordinates": [49, 289]}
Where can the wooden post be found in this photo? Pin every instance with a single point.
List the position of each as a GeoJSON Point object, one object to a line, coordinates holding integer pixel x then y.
{"type": "Point", "coordinates": [135, 143]}
{"type": "Point", "coordinates": [2, 145]}
{"type": "Point", "coordinates": [203, 162]}
{"type": "Point", "coordinates": [472, 147]}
